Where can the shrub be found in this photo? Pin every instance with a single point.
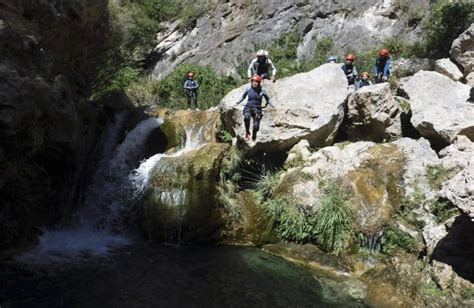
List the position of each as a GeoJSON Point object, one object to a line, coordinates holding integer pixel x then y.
{"type": "Point", "coordinates": [437, 174]}
{"type": "Point", "coordinates": [443, 210]}
{"type": "Point", "coordinates": [394, 238]}
{"type": "Point", "coordinates": [448, 19]}
{"type": "Point", "coordinates": [212, 87]}
{"type": "Point", "coordinates": [283, 53]}
{"type": "Point", "coordinates": [334, 220]}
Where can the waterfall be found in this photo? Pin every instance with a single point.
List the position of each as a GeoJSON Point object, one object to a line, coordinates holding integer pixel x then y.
{"type": "Point", "coordinates": [120, 180]}
{"type": "Point", "coordinates": [99, 224]}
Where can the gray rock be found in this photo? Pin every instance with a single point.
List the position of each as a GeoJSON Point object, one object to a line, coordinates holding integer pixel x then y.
{"type": "Point", "coordinates": [406, 67]}
{"type": "Point", "coordinates": [462, 50]}
{"type": "Point", "coordinates": [308, 106]}
{"type": "Point", "coordinates": [458, 155]}
{"type": "Point", "coordinates": [419, 155]}
{"type": "Point", "coordinates": [448, 68]}
{"type": "Point", "coordinates": [432, 236]}
{"type": "Point", "coordinates": [372, 110]}
{"type": "Point", "coordinates": [460, 191]}
{"type": "Point", "coordinates": [299, 152]}
{"type": "Point", "coordinates": [440, 107]}
{"type": "Point", "coordinates": [470, 79]}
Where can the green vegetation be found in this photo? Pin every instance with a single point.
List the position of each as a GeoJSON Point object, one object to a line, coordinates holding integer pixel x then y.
{"type": "Point", "coordinates": [437, 174]}
{"type": "Point", "coordinates": [448, 19]}
{"type": "Point", "coordinates": [331, 226]}
{"type": "Point", "coordinates": [443, 210]}
{"type": "Point", "coordinates": [212, 87]}
{"type": "Point", "coordinates": [393, 239]}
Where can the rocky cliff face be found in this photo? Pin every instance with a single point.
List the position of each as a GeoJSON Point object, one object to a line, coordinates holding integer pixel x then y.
{"type": "Point", "coordinates": [230, 32]}
{"type": "Point", "coordinates": [48, 52]}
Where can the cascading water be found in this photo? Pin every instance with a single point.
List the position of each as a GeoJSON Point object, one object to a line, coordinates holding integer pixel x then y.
{"type": "Point", "coordinates": [99, 224]}
{"type": "Point", "coordinates": [102, 223]}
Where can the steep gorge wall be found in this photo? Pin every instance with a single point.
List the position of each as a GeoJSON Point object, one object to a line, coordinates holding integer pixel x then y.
{"type": "Point", "coordinates": [227, 34]}
{"type": "Point", "coordinates": [48, 55]}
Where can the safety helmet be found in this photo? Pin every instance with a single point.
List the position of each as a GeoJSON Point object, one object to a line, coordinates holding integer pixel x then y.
{"type": "Point", "coordinates": [190, 74]}
{"type": "Point", "coordinates": [350, 57]}
{"type": "Point", "coordinates": [332, 59]}
{"type": "Point", "coordinates": [365, 74]}
{"type": "Point", "coordinates": [256, 78]}
{"type": "Point", "coordinates": [383, 52]}
{"type": "Point", "coordinates": [262, 53]}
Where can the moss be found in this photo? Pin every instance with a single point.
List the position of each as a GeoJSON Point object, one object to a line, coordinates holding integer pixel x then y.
{"type": "Point", "coordinates": [175, 134]}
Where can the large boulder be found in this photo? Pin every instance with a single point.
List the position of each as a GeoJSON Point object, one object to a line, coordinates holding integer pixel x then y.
{"type": "Point", "coordinates": [462, 50]}
{"type": "Point", "coordinates": [440, 107]}
{"type": "Point", "coordinates": [406, 67]}
{"type": "Point", "coordinates": [308, 106]}
{"type": "Point", "coordinates": [181, 201]}
{"type": "Point", "coordinates": [448, 68]}
{"type": "Point", "coordinates": [458, 155]}
{"type": "Point", "coordinates": [371, 112]}
{"type": "Point", "coordinates": [460, 191]}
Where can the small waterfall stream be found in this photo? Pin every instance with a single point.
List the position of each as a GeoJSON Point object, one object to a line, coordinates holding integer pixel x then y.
{"type": "Point", "coordinates": [102, 223]}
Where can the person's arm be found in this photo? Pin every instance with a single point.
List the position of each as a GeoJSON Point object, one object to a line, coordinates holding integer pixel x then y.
{"type": "Point", "coordinates": [274, 70]}
{"type": "Point", "coordinates": [386, 67]}
{"type": "Point", "coordinates": [268, 99]}
{"type": "Point", "coordinates": [375, 67]}
{"type": "Point", "coordinates": [354, 72]}
{"type": "Point", "coordinates": [196, 85]}
{"type": "Point", "coordinates": [244, 95]}
{"type": "Point", "coordinates": [250, 69]}
{"type": "Point", "coordinates": [186, 85]}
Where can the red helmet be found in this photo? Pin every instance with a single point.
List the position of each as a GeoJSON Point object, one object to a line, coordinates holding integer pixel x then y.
{"type": "Point", "coordinates": [384, 52]}
{"type": "Point", "coordinates": [190, 74]}
{"type": "Point", "coordinates": [350, 57]}
{"type": "Point", "coordinates": [256, 78]}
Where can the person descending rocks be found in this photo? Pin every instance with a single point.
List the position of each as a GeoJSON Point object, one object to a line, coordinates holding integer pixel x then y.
{"type": "Point", "coordinates": [350, 70]}
{"type": "Point", "coordinates": [253, 108]}
{"type": "Point", "coordinates": [364, 80]}
{"type": "Point", "coordinates": [190, 89]}
{"type": "Point", "coordinates": [382, 66]}
{"type": "Point", "coordinates": [261, 66]}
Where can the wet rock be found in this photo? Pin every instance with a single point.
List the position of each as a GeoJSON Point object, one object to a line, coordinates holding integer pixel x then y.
{"type": "Point", "coordinates": [308, 106]}
{"type": "Point", "coordinates": [181, 203]}
{"type": "Point", "coordinates": [462, 50]}
{"type": "Point", "coordinates": [448, 68]}
{"type": "Point", "coordinates": [431, 94]}
{"type": "Point", "coordinates": [372, 111]}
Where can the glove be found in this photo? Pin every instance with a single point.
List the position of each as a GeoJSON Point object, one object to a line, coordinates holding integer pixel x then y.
{"type": "Point", "coordinates": [384, 78]}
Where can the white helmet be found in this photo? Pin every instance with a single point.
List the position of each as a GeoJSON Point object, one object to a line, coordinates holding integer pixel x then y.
{"type": "Point", "coordinates": [262, 53]}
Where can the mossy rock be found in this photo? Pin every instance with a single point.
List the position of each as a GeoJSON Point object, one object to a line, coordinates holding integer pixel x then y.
{"type": "Point", "coordinates": [175, 134]}
{"type": "Point", "coordinates": [376, 187]}
{"type": "Point", "coordinates": [182, 199]}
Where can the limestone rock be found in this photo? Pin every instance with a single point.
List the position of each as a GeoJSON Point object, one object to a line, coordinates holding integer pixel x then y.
{"type": "Point", "coordinates": [432, 236]}
{"type": "Point", "coordinates": [460, 191]}
{"type": "Point", "coordinates": [371, 111]}
{"type": "Point", "coordinates": [448, 68]}
{"type": "Point", "coordinates": [470, 79]}
{"type": "Point", "coordinates": [448, 280]}
{"type": "Point", "coordinates": [407, 67]}
{"type": "Point", "coordinates": [458, 155]}
{"type": "Point", "coordinates": [308, 106]}
{"type": "Point", "coordinates": [462, 50]}
{"type": "Point", "coordinates": [299, 152]}
{"type": "Point", "coordinates": [440, 107]}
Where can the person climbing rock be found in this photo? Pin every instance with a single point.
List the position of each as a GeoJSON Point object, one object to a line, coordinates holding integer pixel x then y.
{"type": "Point", "coordinates": [350, 70]}
{"type": "Point", "coordinates": [364, 80]}
{"type": "Point", "coordinates": [253, 108]}
{"type": "Point", "coordinates": [261, 65]}
{"type": "Point", "coordinates": [382, 66]}
{"type": "Point", "coordinates": [190, 90]}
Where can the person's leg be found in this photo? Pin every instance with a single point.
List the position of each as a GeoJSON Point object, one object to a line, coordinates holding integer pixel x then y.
{"type": "Point", "coordinates": [247, 116]}
{"type": "Point", "coordinates": [195, 97]}
{"type": "Point", "coordinates": [256, 123]}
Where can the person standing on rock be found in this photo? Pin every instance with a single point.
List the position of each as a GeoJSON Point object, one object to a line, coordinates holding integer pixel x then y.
{"type": "Point", "coordinates": [382, 66]}
{"type": "Point", "coordinates": [364, 80]}
{"type": "Point", "coordinates": [253, 108]}
{"type": "Point", "coordinates": [190, 89]}
{"type": "Point", "coordinates": [261, 66]}
{"type": "Point", "coordinates": [350, 70]}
